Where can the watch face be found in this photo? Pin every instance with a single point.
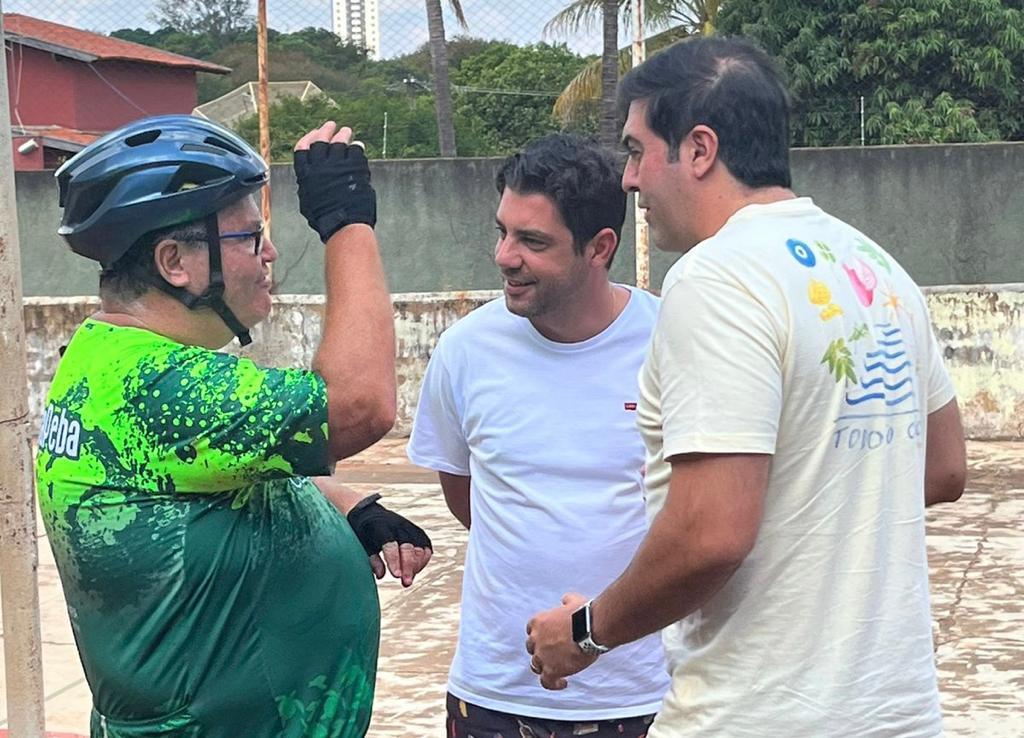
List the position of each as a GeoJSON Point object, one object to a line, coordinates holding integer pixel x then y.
{"type": "Point", "coordinates": [580, 624]}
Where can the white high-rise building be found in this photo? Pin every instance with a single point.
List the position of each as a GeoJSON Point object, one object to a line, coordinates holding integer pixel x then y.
{"type": "Point", "coordinates": [358, 21]}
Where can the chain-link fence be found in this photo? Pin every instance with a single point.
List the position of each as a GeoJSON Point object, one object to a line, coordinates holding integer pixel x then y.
{"type": "Point", "coordinates": [863, 72]}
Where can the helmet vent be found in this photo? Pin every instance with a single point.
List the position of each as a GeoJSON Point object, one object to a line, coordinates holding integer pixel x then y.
{"type": "Point", "coordinates": [225, 145]}
{"type": "Point", "coordinates": [205, 148]}
{"type": "Point", "coordinates": [140, 139]}
{"type": "Point", "coordinates": [192, 176]}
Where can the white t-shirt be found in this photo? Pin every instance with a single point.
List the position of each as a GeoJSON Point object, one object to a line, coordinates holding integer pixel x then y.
{"type": "Point", "coordinates": [547, 433]}
{"type": "Point", "coordinates": [791, 333]}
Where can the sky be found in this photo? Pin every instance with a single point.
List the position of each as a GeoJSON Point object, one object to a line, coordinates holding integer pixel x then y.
{"type": "Point", "coordinates": [403, 23]}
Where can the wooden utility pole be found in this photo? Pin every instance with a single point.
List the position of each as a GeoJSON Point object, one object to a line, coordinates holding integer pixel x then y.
{"type": "Point", "coordinates": [264, 103]}
{"type": "Point", "coordinates": [642, 232]}
{"type": "Point", "coordinates": [19, 557]}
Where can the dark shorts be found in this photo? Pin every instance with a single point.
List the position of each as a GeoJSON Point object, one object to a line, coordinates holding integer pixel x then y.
{"type": "Point", "coordinates": [466, 720]}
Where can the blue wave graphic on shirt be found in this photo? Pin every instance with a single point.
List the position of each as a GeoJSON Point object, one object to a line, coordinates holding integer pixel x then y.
{"type": "Point", "coordinates": [886, 368]}
{"type": "Point", "coordinates": [883, 381]}
{"type": "Point", "coordinates": [878, 396]}
{"type": "Point", "coordinates": [890, 387]}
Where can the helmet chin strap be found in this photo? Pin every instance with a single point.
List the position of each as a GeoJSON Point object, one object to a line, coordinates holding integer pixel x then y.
{"type": "Point", "coordinates": [213, 296]}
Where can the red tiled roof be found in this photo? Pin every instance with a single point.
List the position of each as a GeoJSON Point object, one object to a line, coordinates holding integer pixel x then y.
{"type": "Point", "coordinates": [58, 134]}
{"type": "Point", "coordinates": [87, 46]}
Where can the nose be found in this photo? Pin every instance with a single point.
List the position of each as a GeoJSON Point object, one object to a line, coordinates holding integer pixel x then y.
{"type": "Point", "coordinates": [506, 255]}
{"type": "Point", "coordinates": [268, 252]}
{"type": "Point", "coordinates": [630, 181]}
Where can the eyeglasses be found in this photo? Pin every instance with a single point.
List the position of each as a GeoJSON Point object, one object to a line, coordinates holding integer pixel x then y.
{"type": "Point", "coordinates": [256, 235]}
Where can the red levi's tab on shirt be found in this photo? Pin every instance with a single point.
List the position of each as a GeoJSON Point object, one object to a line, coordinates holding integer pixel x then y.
{"type": "Point", "coordinates": [630, 406]}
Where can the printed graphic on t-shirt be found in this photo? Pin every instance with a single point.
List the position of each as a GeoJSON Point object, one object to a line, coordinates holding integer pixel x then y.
{"type": "Point", "coordinates": [872, 359]}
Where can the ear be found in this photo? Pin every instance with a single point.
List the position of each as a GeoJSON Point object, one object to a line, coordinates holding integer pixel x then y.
{"type": "Point", "coordinates": [174, 264]}
{"type": "Point", "coordinates": [701, 150]}
{"type": "Point", "coordinates": [603, 246]}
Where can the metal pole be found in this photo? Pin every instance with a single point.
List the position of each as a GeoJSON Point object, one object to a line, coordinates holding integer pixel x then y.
{"type": "Point", "coordinates": [384, 152]}
{"type": "Point", "coordinates": [862, 120]}
{"type": "Point", "coordinates": [643, 257]}
{"type": "Point", "coordinates": [264, 102]}
{"type": "Point", "coordinates": [19, 557]}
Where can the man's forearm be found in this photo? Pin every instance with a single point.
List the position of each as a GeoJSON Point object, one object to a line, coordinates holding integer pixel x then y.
{"type": "Point", "coordinates": [341, 497]}
{"type": "Point", "coordinates": [666, 581]}
{"type": "Point", "coordinates": [356, 356]}
{"type": "Point", "coordinates": [705, 530]}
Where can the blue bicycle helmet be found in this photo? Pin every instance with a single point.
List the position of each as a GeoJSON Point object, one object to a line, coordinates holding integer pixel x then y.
{"type": "Point", "coordinates": [153, 174]}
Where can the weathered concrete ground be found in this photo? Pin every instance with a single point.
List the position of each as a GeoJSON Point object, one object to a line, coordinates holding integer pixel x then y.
{"type": "Point", "coordinates": [976, 550]}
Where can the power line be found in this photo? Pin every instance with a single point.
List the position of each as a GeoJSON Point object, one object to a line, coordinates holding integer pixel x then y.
{"type": "Point", "coordinates": [486, 91]}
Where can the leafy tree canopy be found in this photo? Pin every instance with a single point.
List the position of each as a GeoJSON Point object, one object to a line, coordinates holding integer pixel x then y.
{"type": "Point", "coordinates": [504, 95]}
{"type": "Point", "coordinates": [218, 18]}
{"type": "Point", "coordinates": [930, 71]}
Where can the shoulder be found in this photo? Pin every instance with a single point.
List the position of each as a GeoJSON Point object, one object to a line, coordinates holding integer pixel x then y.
{"type": "Point", "coordinates": [490, 318]}
{"type": "Point", "coordinates": [643, 306]}
{"type": "Point", "coordinates": [762, 250]}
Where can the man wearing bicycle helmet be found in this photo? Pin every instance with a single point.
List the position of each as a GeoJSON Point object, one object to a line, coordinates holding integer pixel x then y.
{"type": "Point", "coordinates": [214, 589]}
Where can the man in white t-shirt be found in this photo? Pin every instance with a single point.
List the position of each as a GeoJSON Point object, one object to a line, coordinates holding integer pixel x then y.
{"type": "Point", "coordinates": [528, 413]}
{"type": "Point", "coordinates": [797, 418]}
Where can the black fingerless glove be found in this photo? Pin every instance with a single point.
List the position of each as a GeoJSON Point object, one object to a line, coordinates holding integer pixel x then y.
{"type": "Point", "coordinates": [375, 525]}
{"type": "Point", "coordinates": [334, 187]}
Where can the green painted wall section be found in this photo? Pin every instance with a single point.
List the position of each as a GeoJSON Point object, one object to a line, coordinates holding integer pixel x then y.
{"type": "Point", "coordinates": [951, 214]}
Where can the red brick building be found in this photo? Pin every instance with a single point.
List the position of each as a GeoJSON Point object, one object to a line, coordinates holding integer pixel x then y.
{"type": "Point", "coordinates": [68, 86]}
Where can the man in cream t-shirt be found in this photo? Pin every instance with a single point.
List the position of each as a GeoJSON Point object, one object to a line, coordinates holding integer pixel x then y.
{"type": "Point", "coordinates": [798, 419]}
{"type": "Point", "coordinates": [528, 413]}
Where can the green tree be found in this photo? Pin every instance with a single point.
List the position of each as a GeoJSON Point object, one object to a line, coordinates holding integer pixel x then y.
{"type": "Point", "coordinates": [290, 119]}
{"type": "Point", "coordinates": [219, 18]}
{"type": "Point", "coordinates": [288, 62]}
{"type": "Point", "coordinates": [668, 20]}
{"type": "Point", "coordinates": [929, 71]}
{"type": "Point", "coordinates": [505, 94]}
{"type": "Point", "coordinates": [322, 47]}
{"type": "Point", "coordinates": [196, 45]}
{"type": "Point", "coordinates": [411, 127]}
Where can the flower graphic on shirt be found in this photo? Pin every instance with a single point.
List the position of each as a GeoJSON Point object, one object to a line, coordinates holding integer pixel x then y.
{"type": "Point", "coordinates": [840, 361]}
{"type": "Point", "coordinates": [831, 311]}
{"type": "Point", "coordinates": [801, 252]}
{"type": "Point", "coordinates": [863, 280]}
{"type": "Point", "coordinates": [819, 294]}
{"type": "Point", "coordinates": [895, 303]}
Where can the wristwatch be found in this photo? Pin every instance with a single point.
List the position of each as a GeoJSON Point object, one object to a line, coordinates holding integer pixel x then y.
{"type": "Point", "coordinates": [582, 632]}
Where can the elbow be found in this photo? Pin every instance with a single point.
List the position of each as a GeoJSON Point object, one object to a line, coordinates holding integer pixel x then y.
{"type": "Point", "coordinates": [382, 418]}
{"type": "Point", "coordinates": [948, 487]}
{"type": "Point", "coordinates": [722, 557]}
{"type": "Point", "coordinates": [360, 422]}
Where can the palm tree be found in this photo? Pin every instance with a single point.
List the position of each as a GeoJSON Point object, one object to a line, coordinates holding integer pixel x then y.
{"type": "Point", "coordinates": [671, 19]}
{"type": "Point", "coordinates": [439, 63]}
{"type": "Point", "coordinates": [609, 132]}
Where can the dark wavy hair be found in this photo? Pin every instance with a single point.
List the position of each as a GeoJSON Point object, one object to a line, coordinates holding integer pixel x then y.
{"type": "Point", "coordinates": [728, 84]}
{"type": "Point", "coordinates": [581, 177]}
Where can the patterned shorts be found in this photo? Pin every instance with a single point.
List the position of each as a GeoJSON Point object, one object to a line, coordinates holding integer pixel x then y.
{"type": "Point", "coordinates": [470, 721]}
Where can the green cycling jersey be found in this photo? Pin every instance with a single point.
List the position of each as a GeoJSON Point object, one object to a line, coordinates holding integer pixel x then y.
{"type": "Point", "coordinates": [213, 591]}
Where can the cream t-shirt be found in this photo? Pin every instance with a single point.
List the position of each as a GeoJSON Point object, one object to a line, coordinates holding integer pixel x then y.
{"type": "Point", "coordinates": [791, 333]}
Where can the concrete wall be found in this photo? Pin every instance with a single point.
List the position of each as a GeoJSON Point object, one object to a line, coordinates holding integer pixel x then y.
{"type": "Point", "coordinates": [980, 328]}
{"type": "Point", "coordinates": [950, 214]}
